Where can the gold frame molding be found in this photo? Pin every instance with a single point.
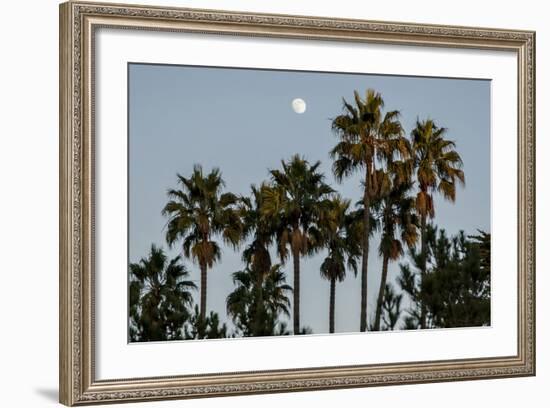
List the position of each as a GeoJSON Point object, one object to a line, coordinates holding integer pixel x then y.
{"type": "Point", "coordinates": [78, 22]}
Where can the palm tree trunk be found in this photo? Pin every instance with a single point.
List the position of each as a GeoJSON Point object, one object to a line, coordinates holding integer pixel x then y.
{"type": "Point", "coordinates": [423, 258]}
{"type": "Point", "coordinates": [364, 263]}
{"type": "Point", "coordinates": [332, 304]}
{"type": "Point", "coordinates": [296, 292]}
{"type": "Point", "coordinates": [381, 292]}
{"type": "Point", "coordinates": [204, 270]}
{"type": "Point", "coordinates": [260, 315]}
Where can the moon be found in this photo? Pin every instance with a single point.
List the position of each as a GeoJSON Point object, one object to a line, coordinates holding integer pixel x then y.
{"type": "Point", "coordinates": [298, 105]}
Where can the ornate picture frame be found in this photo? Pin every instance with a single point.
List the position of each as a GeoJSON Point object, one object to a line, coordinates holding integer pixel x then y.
{"type": "Point", "coordinates": [79, 22]}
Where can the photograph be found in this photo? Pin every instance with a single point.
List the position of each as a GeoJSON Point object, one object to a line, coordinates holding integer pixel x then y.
{"type": "Point", "coordinates": [267, 202]}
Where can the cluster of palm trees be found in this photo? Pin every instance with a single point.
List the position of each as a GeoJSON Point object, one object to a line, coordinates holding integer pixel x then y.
{"type": "Point", "coordinates": [295, 214]}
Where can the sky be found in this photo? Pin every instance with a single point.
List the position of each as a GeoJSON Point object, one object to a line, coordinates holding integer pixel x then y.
{"type": "Point", "coordinates": [242, 121]}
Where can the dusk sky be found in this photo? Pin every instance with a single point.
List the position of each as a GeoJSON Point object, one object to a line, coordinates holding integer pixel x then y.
{"type": "Point", "coordinates": [242, 121]}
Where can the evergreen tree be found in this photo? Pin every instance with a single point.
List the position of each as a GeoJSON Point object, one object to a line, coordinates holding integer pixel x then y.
{"type": "Point", "coordinates": [391, 308]}
{"type": "Point", "coordinates": [208, 327]}
{"type": "Point", "coordinates": [455, 290]}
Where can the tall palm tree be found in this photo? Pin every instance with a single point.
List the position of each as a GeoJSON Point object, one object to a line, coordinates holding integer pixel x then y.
{"type": "Point", "coordinates": [340, 237]}
{"type": "Point", "coordinates": [438, 168]}
{"type": "Point", "coordinates": [367, 138]}
{"type": "Point", "coordinates": [398, 223]}
{"type": "Point", "coordinates": [261, 230]}
{"type": "Point", "coordinates": [197, 213]}
{"type": "Point", "coordinates": [297, 198]}
{"type": "Point", "coordinates": [160, 297]}
{"type": "Point", "coordinates": [242, 305]}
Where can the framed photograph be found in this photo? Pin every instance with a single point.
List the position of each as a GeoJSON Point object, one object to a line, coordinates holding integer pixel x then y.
{"type": "Point", "coordinates": [256, 203]}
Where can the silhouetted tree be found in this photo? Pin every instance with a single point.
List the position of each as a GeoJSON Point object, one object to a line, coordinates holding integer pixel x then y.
{"type": "Point", "coordinates": [455, 290]}
{"type": "Point", "coordinates": [438, 168]}
{"type": "Point", "coordinates": [297, 198]}
{"type": "Point", "coordinates": [205, 328]}
{"type": "Point", "coordinates": [260, 230]}
{"type": "Point", "coordinates": [160, 297]}
{"type": "Point", "coordinates": [366, 138]}
{"type": "Point", "coordinates": [197, 213]}
{"type": "Point", "coordinates": [341, 238]}
{"type": "Point", "coordinates": [251, 318]}
{"type": "Point", "coordinates": [395, 212]}
{"type": "Point", "coordinates": [391, 308]}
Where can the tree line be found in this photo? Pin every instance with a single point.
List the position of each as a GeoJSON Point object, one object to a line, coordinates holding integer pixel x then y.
{"type": "Point", "coordinates": [296, 214]}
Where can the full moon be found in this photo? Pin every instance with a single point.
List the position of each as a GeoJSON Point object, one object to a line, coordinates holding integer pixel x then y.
{"type": "Point", "coordinates": [299, 105]}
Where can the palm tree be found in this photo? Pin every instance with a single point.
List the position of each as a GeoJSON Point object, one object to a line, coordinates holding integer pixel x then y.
{"type": "Point", "coordinates": [198, 212]}
{"type": "Point", "coordinates": [398, 223]}
{"type": "Point", "coordinates": [256, 255]}
{"type": "Point", "coordinates": [297, 198]}
{"type": "Point", "coordinates": [367, 138]}
{"type": "Point", "coordinates": [340, 237]}
{"type": "Point", "coordinates": [438, 169]}
{"type": "Point", "coordinates": [160, 297]}
{"type": "Point", "coordinates": [255, 319]}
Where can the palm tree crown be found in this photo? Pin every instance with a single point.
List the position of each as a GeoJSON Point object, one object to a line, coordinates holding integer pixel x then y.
{"type": "Point", "coordinates": [255, 319]}
{"type": "Point", "coordinates": [261, 229]}
{"type": "Point", "coordinates": [438, 165]}
{"type": "Point", "coordinates": [160, 297]}
{"type": "Point", "coordinates": [197, 213]}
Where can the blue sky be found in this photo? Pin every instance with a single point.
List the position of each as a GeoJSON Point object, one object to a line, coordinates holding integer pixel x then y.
{"type": "Point", "coordinates": [241, 121]}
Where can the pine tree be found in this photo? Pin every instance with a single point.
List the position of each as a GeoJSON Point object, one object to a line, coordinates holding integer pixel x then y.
{"type": "Point", "coordinates": [455, 290]}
